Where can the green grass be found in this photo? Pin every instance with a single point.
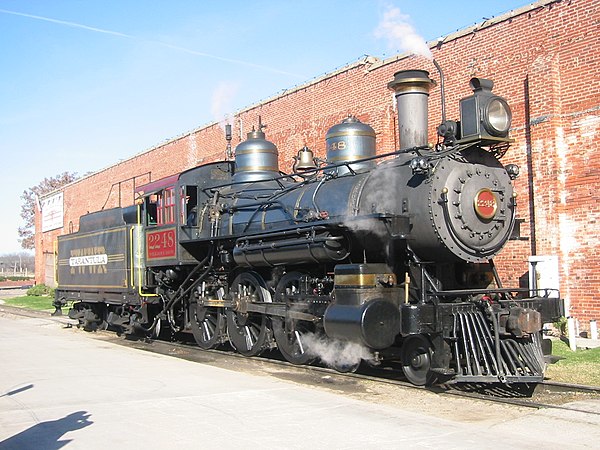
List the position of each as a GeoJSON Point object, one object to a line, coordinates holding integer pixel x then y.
{"type": "Point", "coordinates": [580, 367]}
{"type": "Point", "coordinates": [31, 301]}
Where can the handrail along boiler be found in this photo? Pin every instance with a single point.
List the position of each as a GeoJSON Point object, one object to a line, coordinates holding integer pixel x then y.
{"type": "Point", "coordinates": [392, 252]}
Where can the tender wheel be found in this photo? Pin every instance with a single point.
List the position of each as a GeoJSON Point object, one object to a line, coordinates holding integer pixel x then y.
{"type": "Point", "coordinates": [289, 333]}
{"type": "Point", "coordinates": [416, 360]}
{"type": "Point", "coordinates": [207, 325]}
{"type": "Point", "coordinates": [248, 331]}
{"type": "Point", "coordinates": [91, 317]}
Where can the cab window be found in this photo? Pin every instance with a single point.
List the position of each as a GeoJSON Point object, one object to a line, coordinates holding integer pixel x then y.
{"type": "Point", "coordinates": [160, 207]}
{"type": "Point", "coordinates": [152, 209]}
{"type": "Point", "coordinates": [166, 207]}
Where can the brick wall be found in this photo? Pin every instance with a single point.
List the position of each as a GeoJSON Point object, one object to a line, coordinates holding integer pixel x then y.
{"type": "Point", "coordinates": [543, 58]}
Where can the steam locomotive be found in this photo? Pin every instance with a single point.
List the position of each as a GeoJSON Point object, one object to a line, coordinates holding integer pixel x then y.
{"type": "Point", "coordinates": [392, 252]}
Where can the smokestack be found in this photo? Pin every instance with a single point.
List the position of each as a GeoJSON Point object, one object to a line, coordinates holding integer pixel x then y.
{"type": "Point", "coordinates": [412, 92]}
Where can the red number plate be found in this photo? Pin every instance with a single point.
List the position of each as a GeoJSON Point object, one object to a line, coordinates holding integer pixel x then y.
{"type": "Point", "coordinates": [161, 244]}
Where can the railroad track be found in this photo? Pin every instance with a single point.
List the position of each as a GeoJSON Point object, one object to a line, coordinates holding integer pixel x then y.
{"type": "Point", "coordinates": [548, 394]}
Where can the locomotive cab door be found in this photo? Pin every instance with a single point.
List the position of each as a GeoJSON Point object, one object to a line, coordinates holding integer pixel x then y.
{"type": "Point", "coordinates": [159, 218]}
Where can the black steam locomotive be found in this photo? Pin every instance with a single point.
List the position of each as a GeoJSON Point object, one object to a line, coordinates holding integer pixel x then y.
{"type": "Point", "coordinates": [391, 254]}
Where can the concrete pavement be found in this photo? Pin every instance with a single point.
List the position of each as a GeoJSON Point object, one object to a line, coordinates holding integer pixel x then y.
{"type": "Point", "coordinates": [63, 388]}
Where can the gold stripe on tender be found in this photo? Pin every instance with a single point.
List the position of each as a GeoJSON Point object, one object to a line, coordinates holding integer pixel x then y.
{"type": "Point", "coordinates": [90, 234]}
{"type": "Point", "coordinates": [95, 286]}
{"type": "Point", "coordinates": [364, 279]}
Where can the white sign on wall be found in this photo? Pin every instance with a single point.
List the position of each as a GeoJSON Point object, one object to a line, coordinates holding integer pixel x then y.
{"type": "Point", "coordinates": [52, 212]}
{"type": "Point", "coordinates": [546, 272]}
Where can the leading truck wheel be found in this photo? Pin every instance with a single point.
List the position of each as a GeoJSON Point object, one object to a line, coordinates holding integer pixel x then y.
{"type": "Point", "coordinates": [416, 360]}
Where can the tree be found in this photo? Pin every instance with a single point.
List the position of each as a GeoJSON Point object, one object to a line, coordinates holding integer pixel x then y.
{"type": "Point", "coordinates": [30, 196]}
{"type": "Point", "coordinates": [20, 261]}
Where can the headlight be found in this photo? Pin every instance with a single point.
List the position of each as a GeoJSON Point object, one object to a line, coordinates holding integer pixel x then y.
{"type": "Point", "coordinates": [497, 117]}
{"type": "Point", "coordinates": [484, 116]}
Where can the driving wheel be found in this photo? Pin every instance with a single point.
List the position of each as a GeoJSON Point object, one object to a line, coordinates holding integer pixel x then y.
{"type": "Point", "coordinates": [291, 334]}
{"type": "Point", "coordinates": [248, 331]}
{"type": "Point", "coordinates": [207, 325]}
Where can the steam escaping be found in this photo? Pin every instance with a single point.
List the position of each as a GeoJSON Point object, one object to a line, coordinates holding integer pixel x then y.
{"type": "Point", "coordinates": [379, 196]}
{"type": "Point", "coordinates": [222, 101]}
{"type": "Point", "coordinates": [396, 28]}
{"type": "Point", "coordinates": [335, 353]}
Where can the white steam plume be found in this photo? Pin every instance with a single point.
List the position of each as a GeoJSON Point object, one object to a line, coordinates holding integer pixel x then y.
{"type": "Point", "coordinates": [222, 101]}
{"type": "Point", "coordinates": [380, 196]}
{"type": "Point", "coordinates": [396, 28]}
{"type": "Point", "coordinates": [335, 353]}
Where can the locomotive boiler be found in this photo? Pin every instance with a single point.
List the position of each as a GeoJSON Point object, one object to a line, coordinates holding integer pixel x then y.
{"type": "Point", "coordinates": [392, 252]}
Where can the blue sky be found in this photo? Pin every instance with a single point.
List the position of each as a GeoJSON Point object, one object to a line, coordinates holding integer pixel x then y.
{"type": "Point", "coordinates": [86, 83]}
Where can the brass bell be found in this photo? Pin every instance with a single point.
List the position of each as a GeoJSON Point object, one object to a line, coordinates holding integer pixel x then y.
{"type": "Point", "coordinates": [305, 160]}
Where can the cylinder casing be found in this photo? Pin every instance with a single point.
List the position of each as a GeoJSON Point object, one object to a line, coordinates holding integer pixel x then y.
{"type": "Point", "coordinates": [365, 308]}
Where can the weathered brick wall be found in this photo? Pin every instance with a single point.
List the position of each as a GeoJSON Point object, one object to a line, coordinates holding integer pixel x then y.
{"type": "Point", "coordinates": [542, 58]}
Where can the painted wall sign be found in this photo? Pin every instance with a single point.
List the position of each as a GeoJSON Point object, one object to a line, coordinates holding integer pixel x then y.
{"type": "Point", "coordinates": [52, 212]}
